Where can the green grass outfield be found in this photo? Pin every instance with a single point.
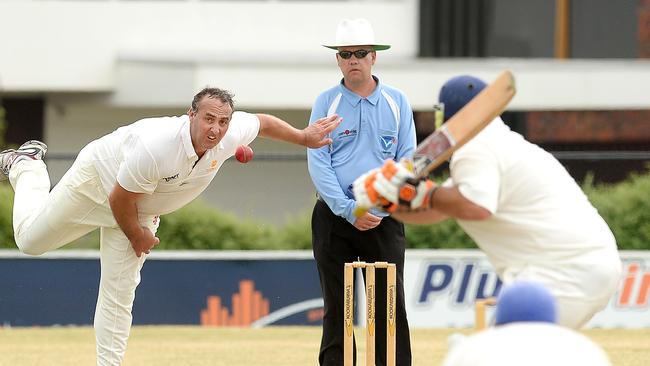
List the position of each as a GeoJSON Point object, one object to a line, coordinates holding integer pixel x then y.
{"type": "Point", "coordinates": [286, 346]}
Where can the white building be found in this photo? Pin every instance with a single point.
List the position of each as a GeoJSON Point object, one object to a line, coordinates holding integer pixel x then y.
{"type": "Point", "coordinates": [104, 63]}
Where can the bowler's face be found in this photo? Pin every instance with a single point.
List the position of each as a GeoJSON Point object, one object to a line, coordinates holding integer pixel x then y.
{"type": "Point", "coordinates": [209, 123]}
{"type": "Point", "coordinates": [356, 69]}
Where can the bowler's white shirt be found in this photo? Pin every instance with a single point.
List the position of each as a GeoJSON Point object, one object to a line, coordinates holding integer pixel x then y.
{"type": "Point", "coordinates": [539, 214]}
{"type": "Point", "coordinates": [155, 156]}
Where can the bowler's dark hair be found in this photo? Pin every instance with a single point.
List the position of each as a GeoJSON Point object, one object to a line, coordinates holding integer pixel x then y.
{"type": "Point", "coordinates": [223, 95]}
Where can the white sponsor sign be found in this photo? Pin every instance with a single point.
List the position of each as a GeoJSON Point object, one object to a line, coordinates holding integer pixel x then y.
{"type": "Point", "coordinates": [442, 286]}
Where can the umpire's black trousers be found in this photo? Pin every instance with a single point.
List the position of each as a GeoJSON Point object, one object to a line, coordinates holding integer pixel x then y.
{"type": "Point", "coordinates": [335, 242]}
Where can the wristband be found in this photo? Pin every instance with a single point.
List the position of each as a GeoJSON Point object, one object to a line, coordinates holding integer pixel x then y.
{"type": "Point", "coordinates": [433, 191]}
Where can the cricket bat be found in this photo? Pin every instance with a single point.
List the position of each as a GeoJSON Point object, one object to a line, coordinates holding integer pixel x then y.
{"type": "Point", "coordinates": [462, 127]}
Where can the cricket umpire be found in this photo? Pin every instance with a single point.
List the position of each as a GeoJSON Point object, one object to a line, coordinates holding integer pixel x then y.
{"type": "Point", "coordinates": [377, 125]}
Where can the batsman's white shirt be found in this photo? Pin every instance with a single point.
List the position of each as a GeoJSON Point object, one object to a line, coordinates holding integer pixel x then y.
{"type": "Point", "coordinates": [542, 227]}
{"type": "Point", "coordinates": [155, 156]}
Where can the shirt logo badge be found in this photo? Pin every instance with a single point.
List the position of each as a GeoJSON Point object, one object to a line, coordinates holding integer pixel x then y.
{"type": "Point", "coordinates": [213, 166]}
{"type": "Point", "coordinates": [387, 141]}
{"type": "Point", "coordinates": [170, 178]}
{"type": "Point", "coordinates": [347, 133]}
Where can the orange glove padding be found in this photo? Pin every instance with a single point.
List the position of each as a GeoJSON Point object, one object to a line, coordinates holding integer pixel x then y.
{"type": "Point", "coordinates": [391, 185]}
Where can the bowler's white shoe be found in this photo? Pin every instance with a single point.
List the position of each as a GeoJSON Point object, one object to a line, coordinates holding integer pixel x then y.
{"type": "Point", "coordinates": [30, 150]}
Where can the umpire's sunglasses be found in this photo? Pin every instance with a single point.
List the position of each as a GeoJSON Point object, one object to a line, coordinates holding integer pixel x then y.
{"type": "Point", "coordinates": [359, 54]}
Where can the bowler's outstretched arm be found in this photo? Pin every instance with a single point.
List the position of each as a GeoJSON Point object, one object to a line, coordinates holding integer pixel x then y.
{"type": "Point", "coordinates": [314, 136]}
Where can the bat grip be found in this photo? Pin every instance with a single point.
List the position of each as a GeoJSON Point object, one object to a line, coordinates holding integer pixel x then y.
{"type": "Point", "coordinates": [360, 211]}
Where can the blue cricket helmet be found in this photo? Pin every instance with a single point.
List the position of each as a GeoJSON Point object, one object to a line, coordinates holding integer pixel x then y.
{"type": "Point", "coordinates": [525, 301]}
{"type": "Point", "coordinates": [458, 91]}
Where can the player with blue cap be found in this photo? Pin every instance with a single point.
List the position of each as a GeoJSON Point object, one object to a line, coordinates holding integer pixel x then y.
{"type": "Point", "coordinates": [520, 206]}
{"type": "Point", "coordinates": [525, 301]}
{"type": "Point", "coordinates": [457, 92]}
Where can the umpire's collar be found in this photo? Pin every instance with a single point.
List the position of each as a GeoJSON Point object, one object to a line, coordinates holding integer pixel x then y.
{"type": "Point", "coordinates": [354, 98]}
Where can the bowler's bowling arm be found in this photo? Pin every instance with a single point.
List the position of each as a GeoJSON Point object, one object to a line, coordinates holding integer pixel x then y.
{"type": "Point", "coordinates": [272, 127]}
{"type": "Point", "coordinates": [314, 136]}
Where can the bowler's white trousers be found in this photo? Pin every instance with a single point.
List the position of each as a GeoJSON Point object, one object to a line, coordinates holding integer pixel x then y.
{"type": "Point", "coordinates": [77, 205]}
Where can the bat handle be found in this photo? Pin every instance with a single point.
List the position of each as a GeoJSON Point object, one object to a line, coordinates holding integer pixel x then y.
{"type": "Point", "coordinates": [360, 211]}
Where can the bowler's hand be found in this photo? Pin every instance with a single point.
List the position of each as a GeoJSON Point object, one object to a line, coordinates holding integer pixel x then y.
{"type": "Point", "coordinates": [315, 135]}
{"type": "Point", "coordinates": [367, 221]}
{"type": "Point", "coordinates": [145, 242]}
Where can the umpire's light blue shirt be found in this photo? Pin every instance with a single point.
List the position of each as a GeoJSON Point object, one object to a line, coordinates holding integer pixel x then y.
{"type": "Point", "coordinates": [373, 129]}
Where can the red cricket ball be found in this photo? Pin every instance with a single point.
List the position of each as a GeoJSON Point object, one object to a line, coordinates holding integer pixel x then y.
{"type": "Point", "coordinates": [244, 153]}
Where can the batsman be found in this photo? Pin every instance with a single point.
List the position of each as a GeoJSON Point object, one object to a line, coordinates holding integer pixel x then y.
{"type": "Point", "coordinates": [518, 204]}
{"type": "Point", "coordinates": [121, 183]}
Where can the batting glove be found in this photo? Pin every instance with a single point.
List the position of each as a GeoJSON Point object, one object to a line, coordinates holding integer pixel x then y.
{"type": "Point", "coordinates": [364, 190]}
{"type": "Point", "coordinates": [392, 185]}
{"type": "Point", "coordinates": [398, 185]}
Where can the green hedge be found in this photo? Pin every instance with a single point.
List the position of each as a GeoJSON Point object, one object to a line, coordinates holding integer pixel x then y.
{"type": "Point", "coordinates": [6, 206]}
{"type": "Point", "coordinates": [198, 226]}
{"type": "Point", "coordinates": [625, 207]}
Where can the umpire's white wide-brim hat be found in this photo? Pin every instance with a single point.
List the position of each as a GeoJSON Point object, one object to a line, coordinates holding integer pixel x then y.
{"type": "Point", "coordinates": [356, 32]}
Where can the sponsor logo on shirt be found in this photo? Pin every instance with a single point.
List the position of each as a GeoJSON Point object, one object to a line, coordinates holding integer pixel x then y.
{"type": "Point", "coordinates": [213, 165]}
{"type": "Point", "coordinates": [387, 142]}
{"type": "Point", "coordinates": [170, 178]}
{"type": "Point", "coordinates": [347, 133]}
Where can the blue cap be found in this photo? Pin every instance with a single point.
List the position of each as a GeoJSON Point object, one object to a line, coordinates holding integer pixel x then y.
{"type": "Point", "coordinates": [458, 91]}
{"type": "Point", "coordinates": [525, 301]}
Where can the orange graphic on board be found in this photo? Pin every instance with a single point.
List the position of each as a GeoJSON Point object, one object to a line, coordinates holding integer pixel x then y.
{"type": "Point", "coordinates": [635, 291]}
{"type": "Point", "coordinates": [247, 306]}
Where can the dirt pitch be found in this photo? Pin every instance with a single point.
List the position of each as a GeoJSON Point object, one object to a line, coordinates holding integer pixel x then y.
{"type": "Point", "coordinates": [286, 346]}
